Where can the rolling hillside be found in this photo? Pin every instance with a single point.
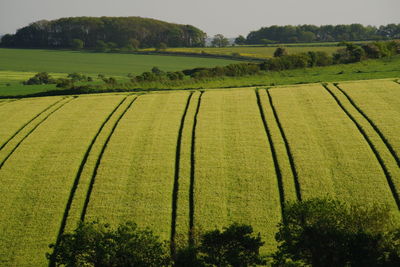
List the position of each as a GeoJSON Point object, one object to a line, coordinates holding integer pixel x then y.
{"type": "Point", "coordinates": [180, 161]}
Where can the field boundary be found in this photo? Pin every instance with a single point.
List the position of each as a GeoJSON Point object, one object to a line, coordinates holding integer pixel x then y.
{"type": "Point", "coordinates": [33, 129]}
{"type": "Point", "coordinates": [287, 146]}
{"type": "Point", "coordinates": [371, 145]}
{"type": "Point", "coordinates": [78, 175]}
{"type": "Point", "coordinates": [192, 172]}
{"type": "Point", "coordinates": [373, 125]}
{"type": "Point", "coordinates": [92, 180]}
{"type": "Point", "coordinates": [176, 176]}
{"type": "Point", "coordinates": [273, 152]}
{"type": "Point", "coordinates": [27, 123]}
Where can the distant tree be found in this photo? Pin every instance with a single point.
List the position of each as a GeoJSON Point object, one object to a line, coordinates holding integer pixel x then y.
{"type": "Point", "coordinates": [7, 40]}
{"type": "Point", "coordinates": [280, 51]}
{"type": "Point", "coordinates": [157, 71]}
{"type": "Point", "coordinates": [325, 232]}
{"type": "Point", "coordinates": [101, 46]}
{"type": "Point", "coordinates": [266, 41]}
{"type": "Point", "coordinates": [240, 40]}
{"type": "Point", "coordinates": [96, 244]}
{"type": "Point", "coordinates": [77, 44]}
{"type": "Point", "coordinates": [306, 36]}
{"type": "Point", "coordinates": [112, 45]}
{"type": "Point", "coordinates": [77, 77]}
{"type": "Point", "coordinates": [219, 41]}
{"type": "Point", "coordinates": [40, 78]}
{"type": "Point", "coordinates": [372, 50]}
{"type": "Point", "coordinates": [161, 47]}
{"type": "Point", "coordinates": [135, 43]}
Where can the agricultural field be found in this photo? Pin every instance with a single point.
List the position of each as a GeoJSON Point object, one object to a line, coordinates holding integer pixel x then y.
{"type": "Point", "coordinates": [251, 51]}
{"type": "Point", "coordinates": [185, 161]}
{"type": "Point", "coordinates": [17, 65]}
{"type": "Point", "coordinates": [10, 81]}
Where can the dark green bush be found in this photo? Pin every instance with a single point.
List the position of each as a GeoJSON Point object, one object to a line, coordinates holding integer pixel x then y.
{"type": "Point", "coordinates": [97, 244]}
{"type": "Point", "coordinates": [40, 78]}
{"type": "Point", "coordinates": [325, 232]}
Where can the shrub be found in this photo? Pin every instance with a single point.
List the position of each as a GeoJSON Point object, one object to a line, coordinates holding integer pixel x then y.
{"type": "Point", "coordinates": [325, 232]}
{"type": "Point", "coordinates": [77, 77]}
{"type": "Point", "coordinates": [64, 83]}
{"type": "Point", "coordinates": [161, 47]}
{"type": "Point", "coordinates": [40, 78]}
{"type": "Point", "coordinates": [352, 53]}
{"type": "Point", "coordinates": [280, 51]}
{"type": "Point", "coordinates": [97, 244]}
{"type": "Point", "coordinates": [372, 51]}
{"type": "Point", "coordinates": [77, 44]}
{"type": "Point", "coordinates": [101, 46]}
{"type": "Point", "coordinates": [235, 246]}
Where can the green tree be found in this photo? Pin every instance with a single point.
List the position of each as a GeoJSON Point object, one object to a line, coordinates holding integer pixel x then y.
{"type": "Point", "coordinates": [40, 78]}
{"type": "Point", "coordinates": [235, 246]}
{"type": "Point", "coordinates": [325, 232]}
{"type": "Point", "coordinates": [135, 43]}
{"type": "Point", "coordinates": [266, 41]}
{"type": "Point", "coordinates": [219, 41]}
{"type": "Point", "coordinates": [96, 244]}
{"type": "Point", "coordinates": [161, 47]}
{"type": "Point", "coordinates": [77, 44]}
{"type": "Point", "coordinates": [280, 51]}
{"type": "Point", "coordinates": [240, 40]}
{"type": "Point", "coordinates": [101, 46]}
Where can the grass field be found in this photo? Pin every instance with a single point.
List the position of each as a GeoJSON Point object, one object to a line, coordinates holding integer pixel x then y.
{"type": "Point", "coordinates": [181, 162]}
{"type": "Point", "coordinates": [369, 69]}
{"type": "Point", "coordinates": [251, 51]}
{"type": "Point", "coordinates": [17, 65]}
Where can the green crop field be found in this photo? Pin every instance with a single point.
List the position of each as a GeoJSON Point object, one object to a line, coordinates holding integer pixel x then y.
{"type": "Point", "coordinates": [251, 51]}
{"type": "Point", "coordinates": [182, 162]}
{"type": "Point", "coordinates": [17, 65]}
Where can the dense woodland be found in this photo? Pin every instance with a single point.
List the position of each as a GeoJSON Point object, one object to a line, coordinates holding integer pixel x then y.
{"type": "Point", "coordinates": [325, 33]}
{"type": "Point", "coordinates": [93, 32]}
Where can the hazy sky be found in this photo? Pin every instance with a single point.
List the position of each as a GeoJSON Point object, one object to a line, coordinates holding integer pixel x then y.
{"type": "Point", "coordinates": [229, 17]}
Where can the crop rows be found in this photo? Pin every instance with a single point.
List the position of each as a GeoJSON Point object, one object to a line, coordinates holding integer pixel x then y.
{"type": "Point", "coordinates": [37, 178]}
{"type": "Point", "coordinates": [235, 178]}
{"type": "Point", "coordinates": [331, 156]}
{"type": "Point", "coordinates": [184, 162]}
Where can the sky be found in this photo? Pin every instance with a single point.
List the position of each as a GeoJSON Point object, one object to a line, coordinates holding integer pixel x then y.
{"type": "Point", "coordinates": [229, 17]}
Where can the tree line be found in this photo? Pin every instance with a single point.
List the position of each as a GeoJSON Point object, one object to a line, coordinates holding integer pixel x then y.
{"type": "Point", "coordinates": [324, 33]}
{"type": "Point", "coordinates": [315, 232]}
{"type": "Point", "coordinates": [347, 53]}
{"type": "Point", "coordinates": [113, 32]}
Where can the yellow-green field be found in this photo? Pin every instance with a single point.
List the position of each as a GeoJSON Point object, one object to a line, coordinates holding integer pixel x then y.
{"type": "Point", "coordinates": [180, 162]}
{"type": "Point", "coordinates": [250, 51]}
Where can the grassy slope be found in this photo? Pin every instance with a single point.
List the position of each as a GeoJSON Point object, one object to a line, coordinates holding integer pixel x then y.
{"type": "Point", "coordinates": [15, 115]}
{"type": "Point", "coordinates": [380, 145]}
{"type": "Point", "coordinates": [380, 101]}
{"type": "Point", "coordinates": [136, 176]}
{"type": "Point", "coordinates": [251, 51]}
{"type": "Point", "coordinates": [330, 155]}
{"type": "Point", "coordinates": [85, 177]}
{"type": "Point", "coordinates": [232, 156]}
{"type": "Point", "coordinates": [235, 178]}
{"type": "Point", "coordinates": [288, 179]}
{"type": "Point", "coordinates": [112, 64]}
{"type": "Point", "coordinates": [115, 64]}
{"type": "Point", "coordinates": [36, 182]}
{"type": "Point", "coordinates": [183, 200]}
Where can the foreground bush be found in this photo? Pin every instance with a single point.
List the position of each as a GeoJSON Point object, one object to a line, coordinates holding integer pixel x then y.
{"type": "Point", "coordinates": [235, 246]}
{"type": "Point", "coordinates": [323, 232]}
{"type": "Point", "coordinates": [97, 244]}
